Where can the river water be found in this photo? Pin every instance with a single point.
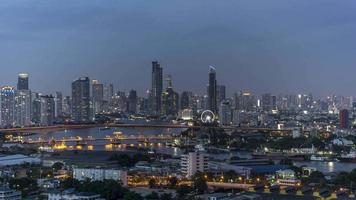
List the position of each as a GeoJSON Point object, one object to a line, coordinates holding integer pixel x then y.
{"type": "Point", "coordinates": [324, 167]}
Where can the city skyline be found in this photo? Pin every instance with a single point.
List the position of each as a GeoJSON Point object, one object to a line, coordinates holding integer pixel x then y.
{"type": "Point", "coordinates": [252, 47]}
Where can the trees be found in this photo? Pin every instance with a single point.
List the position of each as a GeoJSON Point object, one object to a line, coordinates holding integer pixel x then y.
{"type": "Point", "coordinates": [108, 189]}
{"type": "Point", "coordinates": [152, 183]}
{"type": "Point", "coordinates": [125, 160]}
{"type": "Point", "coordinates": [199, 183]}
{"type": "Point", "coordinates": [166, 196]}
{"type": "Point", "coordinates": [183, 191]}
{"type": "Point", "coordinates": [316, 177]}
{"type": "Point", "coordinates": [173, 181]}
{"type": "Point", "coordinates": [25, 185]}
{"type": "Point", "coordinates": [343, 179]}
{"type": "Point", "coordinates": [57, 166]}
{"type": "Point", "coordinates": [152, 196]}
{"type": "Point", "coordinates": [132, 196]}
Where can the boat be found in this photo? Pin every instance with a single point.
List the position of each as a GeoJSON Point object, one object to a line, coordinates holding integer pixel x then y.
{"type": "Point", "coordinates": [104, 128]}
{"type": "Point", "coordinates": [349, 157]}
{"type": "Point", "coordinates": [278, 156]}
{"type": "Point", "coordinates": [319, 158]}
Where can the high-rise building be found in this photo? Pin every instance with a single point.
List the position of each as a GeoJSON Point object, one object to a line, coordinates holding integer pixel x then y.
{"type": "Point", "coordinates": [47, 110]}
{"type": "Point", "coordinates": [67, 106]}
{"type": "Point", "coordinates": [221, 93]}
{"type": "Point", "coordinates": [98, 96]}
{"type": "Point", "coordinates": [170, 100]}
{"type": "Point", "coordinates": [194, 162]}
{"type": "Point", "coordinates": [157, 88]}
{"type": "Point", "coordinates": [22, 111]}
{"type": "Point", "coordinates": [22, 83]}
{"type": "Point", "coordinates": [7, 101]}
{"type": "Point", "coordinates": [81, 100]}
{"type": "Point", "coordinates": [225, 113]}
{"type": "Point", "coordinates": [185, 100]}
{"type": "Point", "coordinates": [344, 119]}
{"type": "Point", "coordinates": [267, 102]}
{"type": "Point", "coordinates": [36, 108]}
{"type": "Point", "coordinates": [212, 90]}
{"type": "Point", "coordinates": [59, 104]}
{"type": "Point", "coordinates": [132, 102]}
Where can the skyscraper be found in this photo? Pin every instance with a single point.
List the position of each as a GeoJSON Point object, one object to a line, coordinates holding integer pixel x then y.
{"type": "Point", "coordinates": [98, 96]}
{"type": "Point", "coordinates": [344, 119]}
{"type": "Point", "coordinates": [170, 100]}
{"type": "Point", "coordinates": [132, 102]}
{"type": "Point", "coordinates": [47, 110]}
{"type": "Point", "coordinates": [157, 87]}
{"type": "Point", "coordinates": [81, 100]}
{"type": "Point", "coordinates": [7, 100]}
{"type": "Point", "coordinates": [67, 106]}
{"type": "Point", "coordinates": [267, 103]}
{"type": "Point", "coordinates": [22, 111]}
{"type": "Point", "coordinates": [212, 90]}
{"type": "Point", "coordinates": [221, 93]}
{"type": "Point", "coordinates": [22, 83]}
{"type": "Point", "coordinates": [59, 104]}
{"type": "Point", "coordinates": [185, 100]}
{"type": "Point", "coordinates": [225, 113]}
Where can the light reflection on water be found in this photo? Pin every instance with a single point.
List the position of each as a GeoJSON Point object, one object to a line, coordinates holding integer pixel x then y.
{"type": "Point", "coordinates": [327, 167]}
{"type": "Point", "coordinates": [104, 145]}
{"type": "Point", "coordinates": [324, 167]}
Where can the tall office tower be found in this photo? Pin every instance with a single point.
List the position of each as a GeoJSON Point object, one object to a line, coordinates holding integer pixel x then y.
{"type": "Point", "coordinates": [132, 102]}
{"type": "Point", "coordinates": [266, 102]}
{"type": "Point", "coordinates": [7, 101]}
{"type": "Point", "coordinates": [22, 111]}
{"type": "Point", "coordinates": [108, 96]}
{"type": "Point", "coordinates": [98, 96]}
{"type": "Point", "coordinates": [170, 100]}
{"type": "Point", "coordinates": [35, 108]}
{"type": "Point", "coordinates": [212, 90]}
{"type": "Point", "coordinates": [67, 106]}
{"type": "Point", "coordinates": [344, 119]}
{"type": "Point", "coordinates": [157, 88]}
{"type": "Point", "coordinates": [225, 113]}
{"type": "Point", "coordinates": [59, 104]}
{"type": "Point", "coordinates": [221, 93]}
{"type": "Point", "coordinates": [185, 100]}
{"type": "Point", "coordinates": [81, 100]}
{"type": "Point", "coordinates": [47, 110]}
{"type": "Point", "coordinates": [119, 103]}
{"type": "Point", "coordinates": [22, 83]}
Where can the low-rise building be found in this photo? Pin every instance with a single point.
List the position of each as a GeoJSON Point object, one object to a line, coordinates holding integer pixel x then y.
{"type": "Point", "coordinates": [72, 195]}
{"type": "Point", "coordinates": [99, 174]}
{"type": "Point", "coordinates": [18, 159]}
{"type": "Point", "coordinates": [8, 194]}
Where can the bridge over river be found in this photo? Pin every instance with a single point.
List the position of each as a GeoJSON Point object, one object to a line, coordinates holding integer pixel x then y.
{"type": "Point", "coordinates": [230, 129]}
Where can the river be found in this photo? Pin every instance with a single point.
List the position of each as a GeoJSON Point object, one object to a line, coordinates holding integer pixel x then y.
{"type": "Point", "coordinates": [324, 167]}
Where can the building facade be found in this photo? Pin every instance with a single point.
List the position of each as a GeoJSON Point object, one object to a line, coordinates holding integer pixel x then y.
{"type": "Point", "coordinates": [81, 100]}
{"type": "Point", "coordinates": [194, 162]}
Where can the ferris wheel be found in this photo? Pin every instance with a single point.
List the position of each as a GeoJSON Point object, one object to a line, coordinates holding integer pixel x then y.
{"type": "Point", "coordinates": [208, 116]}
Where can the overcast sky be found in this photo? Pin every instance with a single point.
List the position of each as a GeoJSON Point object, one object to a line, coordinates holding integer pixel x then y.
{"type": "Point", "coordinates": [277, 46]}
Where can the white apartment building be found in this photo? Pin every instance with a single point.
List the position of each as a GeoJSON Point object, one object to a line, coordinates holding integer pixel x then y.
{"type": "Point", "coordinates": [9, 194]}
{"type": "Point", "coordinates": [99, 174]}
{"type": "Point", "coordinates": [194, 162]}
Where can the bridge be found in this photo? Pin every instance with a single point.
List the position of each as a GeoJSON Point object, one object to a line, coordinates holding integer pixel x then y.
{"type": "Point", "coordinates": [139, 138]}
{"type": "Point", "coordinates": [48, 129]}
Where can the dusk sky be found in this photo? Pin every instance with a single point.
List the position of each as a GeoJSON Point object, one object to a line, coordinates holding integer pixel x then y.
{"type": "Point", "coordinates": [277, 46]}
